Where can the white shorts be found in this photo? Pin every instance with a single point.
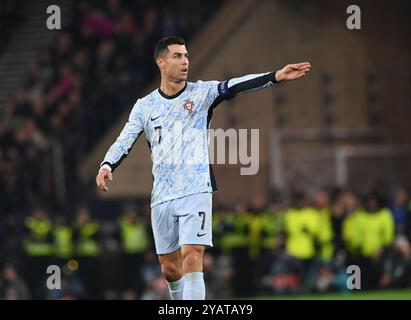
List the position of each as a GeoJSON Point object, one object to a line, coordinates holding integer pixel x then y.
{"type": "Point", "coordinates": [182, 221]}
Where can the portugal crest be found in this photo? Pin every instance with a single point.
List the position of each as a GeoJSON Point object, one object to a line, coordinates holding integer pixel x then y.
{"type": "Point", "coordinates": [189, 105]}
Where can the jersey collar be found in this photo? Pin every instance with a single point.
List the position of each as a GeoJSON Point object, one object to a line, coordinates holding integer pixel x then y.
{"type": "Point", "coordinates": [174, 95]}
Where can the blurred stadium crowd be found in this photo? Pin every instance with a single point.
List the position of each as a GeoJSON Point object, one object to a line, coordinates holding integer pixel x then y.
{"type": "Point", "coordinates": [302, 247]}
{"type": "Point", "coordinates": [77, 88]}
{"type": "Point", "coordinates": [72, 94]}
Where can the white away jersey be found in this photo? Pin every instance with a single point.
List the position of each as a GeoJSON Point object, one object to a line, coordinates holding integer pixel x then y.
{"type": "Point", "coordinates": [176, 130]}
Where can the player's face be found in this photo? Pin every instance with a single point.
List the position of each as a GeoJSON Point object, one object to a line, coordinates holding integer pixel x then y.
{"type": "Point", "coordinates": [176, 62]}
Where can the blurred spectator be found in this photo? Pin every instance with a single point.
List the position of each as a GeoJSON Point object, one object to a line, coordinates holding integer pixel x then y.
{"type": "Point", "coordinates": [129, 295]}
{"type": "Point", "coordinates": [134, 241]}
{"type": "Point", "coordinates": [376, 234]}
{"type": "Point", "coordinates": [156, 290]}
{"type": "Point", "coordinates": [72, 288]}
{"type": "Point", "coordinates": [87, 248]}
{"type": "Point", "coordinates": [12, 286]}
{"type": "Point", "coordinates": [285, 275]}
{"type": "Point", "coordinates": [63, 240]}
{"type": "Point", "coordinates": [235, 239]}
{"type": "Point", "coordinates": [325, 233]}
{"type": "Point", "coordinates": [217, 274]}
{"type": "Point", "coordinates": [301, 224]}
{"type": "Point", "coordinates": [350, 232]}
{"type": "Point", "coordinates": [397, 266]}
{"type": "Point", "coordinates": [38, 249]}
{"type": "Point", "coordinates": [400, 210]}
{"type": "Point", "coordinates": [331, 278]}
{"type": "Point", "coordinates": [338, 215]}
{"type": "Point", "coordinates": [155, 286]}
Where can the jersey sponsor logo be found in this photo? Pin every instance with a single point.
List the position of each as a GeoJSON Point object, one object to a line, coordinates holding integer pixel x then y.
{"type": "Point", "coordinates": [201, 234]}
{"type": "Point", "coordinates": [189, 105]}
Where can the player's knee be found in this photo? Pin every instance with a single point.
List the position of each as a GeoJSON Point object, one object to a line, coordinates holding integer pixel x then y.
{"type": "Point", "coordinates": [171, 271]}
{"type": "Point", "coordinates": [192, 261]}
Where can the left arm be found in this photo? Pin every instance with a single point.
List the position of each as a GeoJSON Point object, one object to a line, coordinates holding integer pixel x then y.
{"type": "Point", "coordinates": [231, 88]}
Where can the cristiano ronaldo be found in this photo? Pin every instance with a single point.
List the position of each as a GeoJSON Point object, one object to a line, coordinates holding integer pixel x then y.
{"type": "Point", "coordinates": [181, 199]}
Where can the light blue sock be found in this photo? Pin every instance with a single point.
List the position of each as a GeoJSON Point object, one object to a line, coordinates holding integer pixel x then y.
{"type": "Point", "coordinates": [176, 289]}
{"type": "Point", "coordinates": [194, 287]}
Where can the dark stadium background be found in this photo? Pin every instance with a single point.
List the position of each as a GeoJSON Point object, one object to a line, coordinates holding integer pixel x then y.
{"type": "Point", "coordinates": [335, 148]}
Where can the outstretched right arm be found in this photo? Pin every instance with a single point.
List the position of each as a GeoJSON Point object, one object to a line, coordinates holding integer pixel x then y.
{"type": "Point", "coordinates": [121, 147]}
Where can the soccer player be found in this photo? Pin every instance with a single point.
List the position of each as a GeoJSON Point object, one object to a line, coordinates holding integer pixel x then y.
{"type": "Point", "coordinates": [175, 119]}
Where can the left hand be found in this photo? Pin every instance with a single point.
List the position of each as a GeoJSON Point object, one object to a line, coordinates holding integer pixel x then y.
{"type": "Point", "coordinates": [293, 71]}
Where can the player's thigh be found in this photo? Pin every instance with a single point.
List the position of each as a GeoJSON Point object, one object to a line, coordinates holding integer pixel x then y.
{"type": "Point", "coordinates": [171, 258]}
{"type": "Point", "coordinates": [195, 219]}
{"type": "Point", "coordinates": [165, 228]}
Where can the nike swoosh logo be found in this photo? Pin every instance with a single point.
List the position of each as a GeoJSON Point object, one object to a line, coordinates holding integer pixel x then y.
{"type": "Point", "coordinates": [152, 119]}
{"type": "Point", "coordinates": [200, 235]}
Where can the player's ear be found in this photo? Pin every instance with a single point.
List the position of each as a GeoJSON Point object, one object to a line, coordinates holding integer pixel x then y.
{"type": "Point", "coordinates": [160, 63]}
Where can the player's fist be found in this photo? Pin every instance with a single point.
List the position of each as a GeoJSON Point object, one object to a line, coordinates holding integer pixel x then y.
{"type": "Point", "coordinates": [293, 71]}
{"type": "Point", "coordinates": [102, 175]}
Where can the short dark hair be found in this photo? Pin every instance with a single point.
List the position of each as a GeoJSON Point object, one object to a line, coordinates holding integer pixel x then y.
{"type": "Point", "coordinates": [162, 45]}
